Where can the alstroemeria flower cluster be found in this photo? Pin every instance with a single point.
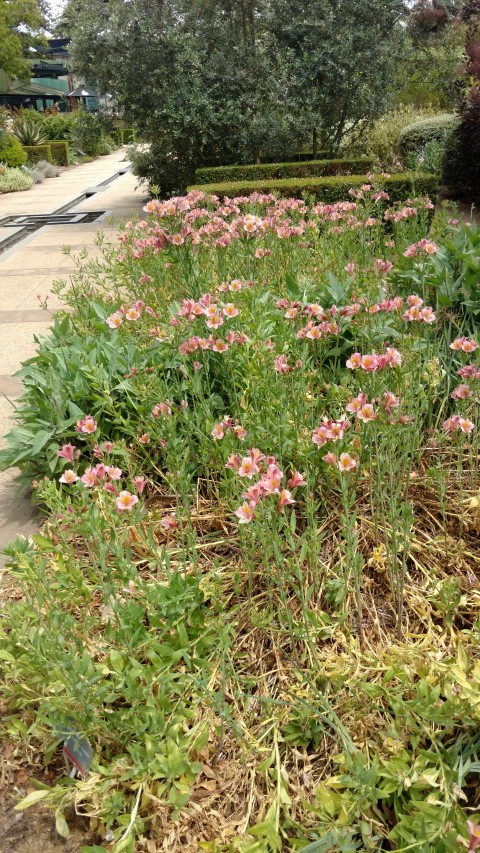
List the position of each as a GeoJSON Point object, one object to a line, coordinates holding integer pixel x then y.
{"type": "Point", "coordinates": [456, 422]}
{"type": "Point", "coordinates": [464, 344]}
{"type": "Point", "coordinates": [270, 482]}
{"type": "Point", "coordinates": [418, 311]}
{"type": "Point", "coordinates": [211, 343]}
{"type": "Point", "coordinates": [426, 246]}
{"type": "Point", "coordinates": [372, 362]}
{"type": "Point", "coordinates": [220, 429]}
{"type": "Point", "coordinates": [329, 430]}
{"type": "Point", "coordinates": [133, 313]}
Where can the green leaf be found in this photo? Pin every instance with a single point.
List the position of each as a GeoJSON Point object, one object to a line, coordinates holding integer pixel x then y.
{"type": "Point", "coordinates": [42, 542]}
{"type": "Point", "coordinates": [31, 799]}
{"type": "Point", "coordinates": [61, 825]}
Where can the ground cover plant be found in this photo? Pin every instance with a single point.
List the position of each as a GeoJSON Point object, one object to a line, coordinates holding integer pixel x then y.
{"type": "Point", "coordinates": [256, 592]}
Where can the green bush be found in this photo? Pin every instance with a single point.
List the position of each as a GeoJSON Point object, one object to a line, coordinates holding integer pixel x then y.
{"type": "Point", "coordinates": [59, 149]}
{"type": "Point", "coordinates": [86, 132]}
{"type": "Point", "coordinates": [381, 141]}
{"type": "Point", "coordinates": [58, 127]}
{"type": "Point", "coordinates": [11, 151]}
{"type": "Point", "coordinates": [13, 180]}
{"type": "Point", "coordinates": [312, 168]}
{"type": "Point", "coordinates": [460, 171]}
{"type": "Point", "coordinates": [327, 189]}
{"type": "Point", "coordinates": [39, 152]}
{"type": "Point", "coordinates": [123, 135]}
{"type": "Point", "coordinates": [415, 136]}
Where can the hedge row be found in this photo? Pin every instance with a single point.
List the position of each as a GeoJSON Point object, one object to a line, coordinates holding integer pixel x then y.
{"type": "Point", "coordinates": [274, 171]}
{"type": "Point", "coordinates": [39, 152]}
{"type": "Point", "coordinates": [124, 135]}
{"type": "Point", "coordinates": [328, 189]}
{"type": "Point", "coordinates": [59, 149]}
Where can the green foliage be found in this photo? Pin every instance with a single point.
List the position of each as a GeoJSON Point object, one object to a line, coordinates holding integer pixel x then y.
{"type": "Point", "coordinates": [381, 141]}
{"type": "Point", "coordinates": [416, 136]}
{"type": "Point", "coordinates": [329, 189]}
{"type": "Point", "coordinates": [11, 151]}
{"type": "Point", "coordinates": [86, 132]}
{"type": "Point", "coordinates": [461, 167]}
{"type": "Point", "coordinates": [312, 168]}
{"type": "Point", "coordinates": [59, 149]}
{"type": "Point", "coordinates": [199, 656]}
{"type": "Point", "coordinates": [20, 22]}
{"type": "Point", "coordinates": [192, 77]}
{"type": "Point", "coordinates": [27, 130]}
{"type": "Point", "coordinates": [39, 152]}
{"type": "Point", "coordinates": [14, 179]}
{"type": "Point", "coordinates": [427, 159]}
{"type": "Point", "coordinates": [57, 127]}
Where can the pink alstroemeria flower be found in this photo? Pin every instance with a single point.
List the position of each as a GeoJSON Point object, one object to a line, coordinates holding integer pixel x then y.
{"type": "Point", "coordinates": [67, 452]}
{"type": "Point", "coordinates": [126, 501]}
{"type": "Point", "coordinates": [245, 512]}
{"type": "Point", "coordinates": [473, 836]}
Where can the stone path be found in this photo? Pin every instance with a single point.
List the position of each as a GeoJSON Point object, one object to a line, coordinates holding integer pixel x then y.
{"type": "Point", "coordinates": [29, 268]}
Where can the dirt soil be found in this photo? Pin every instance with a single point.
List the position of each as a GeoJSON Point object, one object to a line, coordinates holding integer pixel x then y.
{"type": "Point", "coordinates": [34, 830]}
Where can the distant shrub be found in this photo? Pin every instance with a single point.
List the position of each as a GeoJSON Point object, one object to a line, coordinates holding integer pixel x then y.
{"type": "Point", "coordinates": [36, 175]}
{"type": "Point", "coordinates": [49, 170]}
{"type": "Point", "coordinates": [105, 145]}
{"type": "Point", "coordinates": [312, 168]}
{"type": "Point", "coordinates": [327, 189]}
{"type": "Point", "coordinates": [381, 141]}
{"type": "Point", "coordinates": [461, 170]}
{"type": "Point", "coordinates": [414, 137]}
{"type": "Point", "coordinates": [38, 152]}
{"type": "Point", "coordinates": [86, 132]}
{"type": "Point", "coordinates": [27, 130]}
{"type": "Point", "coordinates": [427, 159]}
{"type": "Point", "coordinates": [11, 151]}
{"type": "Point", "coordinates": [13, 180]}
{"type": "Point", "coordinates": [59, 149]}
{"type": "Point", "coordinates": [58, 127]}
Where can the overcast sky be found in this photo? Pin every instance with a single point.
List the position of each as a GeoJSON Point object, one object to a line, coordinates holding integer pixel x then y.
{"type": "Point", "coordinates": [57, 6]}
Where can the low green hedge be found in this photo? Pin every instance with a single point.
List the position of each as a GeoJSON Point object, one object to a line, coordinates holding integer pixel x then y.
{"type": "Point", "coordinates": [59, 149]}
{"type": "Point", "coordinates": [415, 136]}
{"type": "Point", "coordinates": [39, 152]}
{"type": "Point", "coordinates": [269, 171]}
{"type": "Point", "coordinates": [328, 189]}
{"type": "Point", "coordinates": [124, 135]}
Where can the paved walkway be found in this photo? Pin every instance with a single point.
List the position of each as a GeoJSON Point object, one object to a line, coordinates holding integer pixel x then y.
{"type": "Point", "coordinates": [29, 268]}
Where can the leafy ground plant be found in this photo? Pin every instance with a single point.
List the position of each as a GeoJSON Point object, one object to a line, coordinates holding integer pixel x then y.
{"type": "Point", "coordinates": [257, 586]}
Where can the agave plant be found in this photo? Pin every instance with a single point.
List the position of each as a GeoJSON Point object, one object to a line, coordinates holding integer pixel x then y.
{"type": "Point", "coordinates": [28, 131]}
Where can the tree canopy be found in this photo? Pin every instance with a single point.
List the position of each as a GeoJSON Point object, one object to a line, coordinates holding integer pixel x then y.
{"type": "Point", "coordinates": [208, 80]}
{"type": "Point", "coordinates": [20, 22]}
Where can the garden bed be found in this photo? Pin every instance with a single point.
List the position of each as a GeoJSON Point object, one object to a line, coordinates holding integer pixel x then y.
{"type": "Point", "coordinates": [256, 592]}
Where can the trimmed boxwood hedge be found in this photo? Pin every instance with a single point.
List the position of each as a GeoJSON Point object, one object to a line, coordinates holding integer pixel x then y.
{"type": "Point", "coordinates": [415, 136]}
{"type": "Point", "coordinates": [328, 189]}
{"type": "Point", "coordinates": [124, 135]}
{"type": "Point", "coordinates": [59, 149]}
{"type": "Point", "coordinates": [269, 171]}
{"type": "Point", "coordinates": [39, 152]}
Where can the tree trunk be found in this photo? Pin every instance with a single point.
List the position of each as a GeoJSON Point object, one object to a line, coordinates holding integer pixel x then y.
{"type": "Point", "coordinates": [314, 142]}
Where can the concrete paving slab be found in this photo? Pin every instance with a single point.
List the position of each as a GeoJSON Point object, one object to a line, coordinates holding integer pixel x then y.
{"type": "Point", "coordinates": [26, 315]}
{"type": "Point", "coordinates": [10, 387]}
{"type": "Point", "coordinates": [30, 268]}
{"type": "Point", "coordinates": [18, 344]}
